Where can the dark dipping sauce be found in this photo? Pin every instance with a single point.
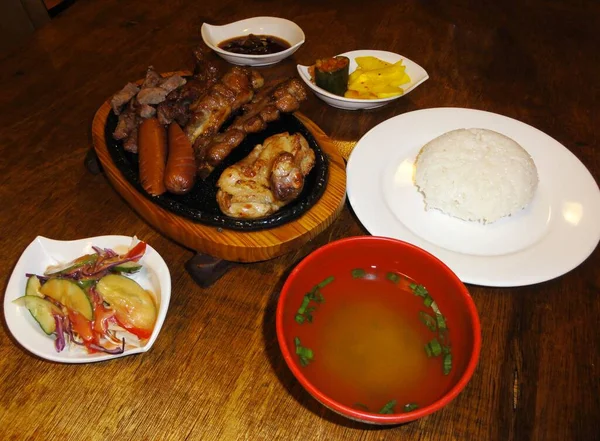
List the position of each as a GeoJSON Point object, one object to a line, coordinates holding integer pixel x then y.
{"type": "Point", "coordinates": [254, 45]}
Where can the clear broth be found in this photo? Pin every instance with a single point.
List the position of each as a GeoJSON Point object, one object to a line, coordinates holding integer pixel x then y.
{"type": "Point", "coordinates": [369, 345]}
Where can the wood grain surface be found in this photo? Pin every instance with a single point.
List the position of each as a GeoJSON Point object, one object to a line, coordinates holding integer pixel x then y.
{"type": "Point", "coordinates": [215, 371]}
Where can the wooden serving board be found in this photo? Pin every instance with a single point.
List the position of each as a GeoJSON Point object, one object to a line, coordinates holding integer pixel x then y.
{"type": "Point", "coordinates": [234, 246]}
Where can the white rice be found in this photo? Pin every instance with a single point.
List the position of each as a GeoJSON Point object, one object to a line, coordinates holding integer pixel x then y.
{"type": "Point", "coordinates": [475, 175]}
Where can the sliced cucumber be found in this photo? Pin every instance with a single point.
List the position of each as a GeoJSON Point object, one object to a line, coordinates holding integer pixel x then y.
{"type": "Point", "coordinates": [33, 287]}
{"type": "Point", "coordinates": [69, 294]}
{"type": "Point", "coordinates": [42, 311]}
{"type": "Point", "coordinates": [133, 305]}
{"type": "Point", "coordinates": [127, 267]}
{"type": "Point", "coordinates": [58, 270]}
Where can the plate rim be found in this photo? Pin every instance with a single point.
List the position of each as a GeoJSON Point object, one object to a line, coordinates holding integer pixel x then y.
{"type": "Point", "coordinates": [452, 258]}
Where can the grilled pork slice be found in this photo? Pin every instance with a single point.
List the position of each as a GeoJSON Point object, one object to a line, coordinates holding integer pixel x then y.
{"type": "Point", "coordinates": [270, 177]}
{"type": "Point", "coordinates": [267, 105]}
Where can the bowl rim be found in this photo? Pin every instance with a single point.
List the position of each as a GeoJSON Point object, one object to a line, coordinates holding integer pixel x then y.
{"type": "Point", "coordinates": [303, 72]}
{"type": "Point", "coordinates": [282, 54]}
{"type": "Point", "coordinates": [356, 414]}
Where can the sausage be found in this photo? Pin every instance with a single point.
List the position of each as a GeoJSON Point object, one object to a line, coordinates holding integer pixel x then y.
{"type": "Point", "coordinates": [152, 150]}
{"type": "Point", "coordinates": [180, 174]}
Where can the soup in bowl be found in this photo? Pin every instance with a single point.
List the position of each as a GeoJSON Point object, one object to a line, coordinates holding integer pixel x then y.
{"type": "Point", "coordinates": [378, 330]}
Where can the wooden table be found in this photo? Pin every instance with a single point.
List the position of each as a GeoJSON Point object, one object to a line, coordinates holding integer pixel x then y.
{"type": "Point", "coordinates": [215, 372]}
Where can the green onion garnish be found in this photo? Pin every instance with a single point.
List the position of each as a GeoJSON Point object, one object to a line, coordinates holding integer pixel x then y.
{"type": "Point", "coordinates": [418, 290]}
{"type": "Point", "coordinates": [361, 406]}
{"type": "Point", "coordinates": [427, 301]}
{"type": "Point", "coordinates": [433, 348]}
{"type": "Point", "coordinates": [447, 363]}
{"type": "Point", "coordinates": [325, 282]}
{"type": "Point", "coordinates": [388, 408]}
{"type": "Point", "coordinates": [410, 407]}
{"type": "Point", "coordinates": [393, 277]}
{"type": "Point", "coordinates": [304, 354]}
{"type": "Point", "coordinates": [428, 321]}
{"type": "Point", "coordinates": [358, 273]}
{"type": "Point", "coordinates": [441, 321]}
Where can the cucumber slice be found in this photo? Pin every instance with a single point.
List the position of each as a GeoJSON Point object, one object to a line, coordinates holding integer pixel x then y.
{"type": "Point", "coordinates": [68, 293]}
{"type": "Point", "coordinates": [127, 267]}
{"type": "Point", "coordinates": [58, 270]}
{"type": "Point", "coordinates": [33, 287]}
{"type": "Point", "coordinates": [42, 311]}
{"type": "Point", "coordinates": [133, 305]}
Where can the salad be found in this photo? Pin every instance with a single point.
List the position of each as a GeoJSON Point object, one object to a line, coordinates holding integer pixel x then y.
{"type": "Point", "coordinates": [91, 303]}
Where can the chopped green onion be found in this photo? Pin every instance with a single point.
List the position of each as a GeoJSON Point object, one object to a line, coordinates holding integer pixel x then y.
{"type": "Point", "coordinates": [304, 305]}
{"type": "Point", "coordinates": [441, 321]}
{"type": "Point", "coordinates": [428, 351]}
{"type": "Point", "coordinates": [428, 321]}
{"type": "Point", "coordinates": [358, 273]}
{"type": "Point", "coordinates": [435, 308]}
{"type": "Point", "coordinates": [447, 363]}
{"type": "Point", "coordinates": [393, 277]}
{"type": "Point", "coordinates": [325, 282]}
{"type": "Point", "coordinates": [418, 290]}
{"type": "Point", "coordinates": [388, 408]}
{"type": "Point", "coordinates": [361, 406]}
{"type": "Point", "coordinates": [299, 319]}
{"type": "Point", "coordinates": [427, 301]}
{"type": "Point", "coordinates": [444, 339]}
{"type": "Point", "coordinates": [434, 347]}
{"type": "Point", "coordinates": [410, 407]}
{"type": "Point", "coordinates": [304, 354]}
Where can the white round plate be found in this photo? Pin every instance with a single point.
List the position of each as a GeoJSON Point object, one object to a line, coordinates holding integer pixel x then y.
{"type": "Point", "coordinates": [550, 237]}
{"type": "Point", "coordinates": [43, 252]}
{"type": "Point", "coordinates": [417, 75]}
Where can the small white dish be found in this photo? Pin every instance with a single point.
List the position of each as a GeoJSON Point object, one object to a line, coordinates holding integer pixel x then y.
{"type": "Point", "coordinates": [275, 26]}
{"type": "Point", "coordinates": [416, 73]}
{"type": "Point", "coordinates": [550, 237]}
{"type": "Point", "coordinates": [43, 252]}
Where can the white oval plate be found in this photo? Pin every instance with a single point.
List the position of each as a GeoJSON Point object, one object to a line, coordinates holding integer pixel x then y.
{"type": "Point", "coordinates": [416, 73]}
{"type": "Point", "coordinates": [275, 26]}
{"type": "Point", "coordinates": [43, 252]}
{"type": "Point", "coordinates": [553, 235]}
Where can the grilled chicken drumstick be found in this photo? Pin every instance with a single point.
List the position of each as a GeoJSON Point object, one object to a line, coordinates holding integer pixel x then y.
{"type": "Point", "coordinates": [271, 176]}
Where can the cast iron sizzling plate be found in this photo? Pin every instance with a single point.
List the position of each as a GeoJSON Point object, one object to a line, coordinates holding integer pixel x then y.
{"type": "Point", "coordinates": [200, 204]}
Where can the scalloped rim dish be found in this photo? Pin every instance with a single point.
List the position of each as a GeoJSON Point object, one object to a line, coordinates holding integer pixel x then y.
{"type": "Point", "coordinates": [43, 252]}
{"type": "Point", "coordinates": [417, 75]}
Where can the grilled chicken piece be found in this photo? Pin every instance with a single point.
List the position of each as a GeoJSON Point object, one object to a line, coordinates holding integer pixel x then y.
{"type": "Point", "coordinates": [270, 177]}
{"type": "Point", "coordinates": [222, 99]}
{"type": "Point", "coordinates": [282, 96]}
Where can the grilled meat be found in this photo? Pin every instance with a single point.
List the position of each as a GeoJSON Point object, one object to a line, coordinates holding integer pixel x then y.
{"type": "Point", "coordinates": [226, 96]}
{"type": "Point", "coordinates": [283, 96]}
{"type": "Point", "coordinates": [123, 97]}
{"type": "Point", "coordinates": [270, 177]}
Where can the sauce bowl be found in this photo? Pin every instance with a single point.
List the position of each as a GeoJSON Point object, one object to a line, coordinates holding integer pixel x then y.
{"type": "Point", "coordinates": [416, 73]}
{"type": "Point", "coordinates": [278, 27]}
{"type": "Point", "coordinates": [312, 312]}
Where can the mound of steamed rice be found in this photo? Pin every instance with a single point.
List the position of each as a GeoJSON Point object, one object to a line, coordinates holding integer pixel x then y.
{"type": "Point", "coordinates": [475, 175]}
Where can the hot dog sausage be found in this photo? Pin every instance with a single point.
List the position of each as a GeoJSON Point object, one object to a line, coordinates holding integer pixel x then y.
{"type": "Point", "coordinates": [152, 150]}
{"type": "Point", "coordinates": [180, 174]}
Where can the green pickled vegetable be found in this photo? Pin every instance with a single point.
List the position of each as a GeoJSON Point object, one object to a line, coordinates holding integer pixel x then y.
{"type": "Point", "coordinates": [331, 74]}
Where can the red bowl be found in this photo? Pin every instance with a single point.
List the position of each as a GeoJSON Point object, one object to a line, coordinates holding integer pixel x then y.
{"type": "Point", "coordinates": [449, 293]}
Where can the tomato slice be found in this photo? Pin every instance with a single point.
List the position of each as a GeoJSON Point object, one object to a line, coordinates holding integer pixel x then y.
{"type": "Point", "coordinates": [81, 326]}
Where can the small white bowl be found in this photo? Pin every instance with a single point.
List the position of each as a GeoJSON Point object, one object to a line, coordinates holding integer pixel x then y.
{"type": "Point", "coordinates": [43, 252]}
{"type": "Point", "coordinates": [416, 73]}
{"type": "Point", "coordinates": [275, 26]}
